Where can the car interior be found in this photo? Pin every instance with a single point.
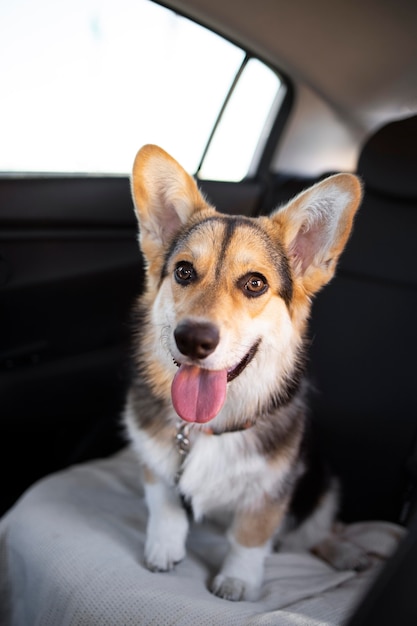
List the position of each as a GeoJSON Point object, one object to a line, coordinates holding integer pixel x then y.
{"type": "Point", "coordinates": [70, 270]}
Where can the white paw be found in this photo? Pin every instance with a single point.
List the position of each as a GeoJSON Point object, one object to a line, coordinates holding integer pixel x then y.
{"type": "Point", "coordinates": [242, 573]}
{"type": "Point", "coordinates": [167, 528]}
{"type": "Point", "coordinates": [234, 589]}
{"type": "Point", "coordinates": [163, 553]}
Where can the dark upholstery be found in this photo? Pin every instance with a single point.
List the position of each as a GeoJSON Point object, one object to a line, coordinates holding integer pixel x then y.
{"type": "Point", "coordinates": [388, 162]}
{"type": "Point", "coordinates": [364, 335]}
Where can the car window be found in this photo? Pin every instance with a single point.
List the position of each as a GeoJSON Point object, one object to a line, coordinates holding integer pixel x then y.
{"type": "Point", "coordinates": [85, 83]}
{"type": "Point", "coordinates": [245, 124]}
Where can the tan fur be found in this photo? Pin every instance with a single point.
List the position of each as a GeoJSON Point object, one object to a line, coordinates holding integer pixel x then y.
{"type": "Point", "coordinates": [148, 192]}
{"type": "Point", "coordinates": [254, 527]}
{"type": "Point", "coordinates": [217, 298]}
{"type": "Point", "coordinates": [148, 475]}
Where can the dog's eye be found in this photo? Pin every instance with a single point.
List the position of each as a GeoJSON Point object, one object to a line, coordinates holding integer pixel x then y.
{"type": "Point", "coordinates": [254, 285]}
{"type": "Point", "coordinates": [184, 273]}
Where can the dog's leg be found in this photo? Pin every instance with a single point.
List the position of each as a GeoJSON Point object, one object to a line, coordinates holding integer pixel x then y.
{"type": "Point", "coordinates": [250, 539]}
{"type": "Point", "coordinates": [317, 534]}
{"type": "Point", "coordinates": [167, 525]}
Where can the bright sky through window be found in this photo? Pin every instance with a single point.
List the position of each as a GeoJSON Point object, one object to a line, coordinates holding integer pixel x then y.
{"type": "Point", "coordinates": [85, 83]}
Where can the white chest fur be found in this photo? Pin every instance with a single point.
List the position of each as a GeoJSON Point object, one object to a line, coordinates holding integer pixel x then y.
{"type": "Point", "coordinates": [219, 472]}
{"type": "Point", "coordinates": [226, 472]}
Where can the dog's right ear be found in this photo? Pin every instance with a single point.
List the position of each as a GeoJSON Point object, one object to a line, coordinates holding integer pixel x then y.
{"type": "Point", "coordinates": [165, 197]}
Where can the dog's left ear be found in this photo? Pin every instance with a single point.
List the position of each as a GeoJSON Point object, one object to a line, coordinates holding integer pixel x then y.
{"type": "Point", "coordinates": [165, 197]}
{"type": "Point", "coordinates": [316, 225]}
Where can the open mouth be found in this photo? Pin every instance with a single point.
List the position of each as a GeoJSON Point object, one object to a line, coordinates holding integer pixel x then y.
{"type": "Point", "coordinates": [238, 369]}
{"type": "Point", "coordinates": [234, 373]}
{"type": "Point", "coordinates": [198, 394]}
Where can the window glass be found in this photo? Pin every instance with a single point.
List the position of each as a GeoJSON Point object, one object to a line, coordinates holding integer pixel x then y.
{"type": "Point", "coordinates": [85, 83]}
{"type": "Point", "coordinates": [245, 124]}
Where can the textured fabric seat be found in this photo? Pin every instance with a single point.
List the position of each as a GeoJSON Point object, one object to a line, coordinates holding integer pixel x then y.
{"type": "Point", "coordinates": [71, 554]}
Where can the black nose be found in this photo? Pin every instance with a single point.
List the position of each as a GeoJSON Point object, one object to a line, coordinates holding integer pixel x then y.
{"type": "Point", "coordinates": [196, 339]}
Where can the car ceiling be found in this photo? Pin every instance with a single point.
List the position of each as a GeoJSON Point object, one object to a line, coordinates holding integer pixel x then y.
{"type": "Point", "coordinates": [360, 57]}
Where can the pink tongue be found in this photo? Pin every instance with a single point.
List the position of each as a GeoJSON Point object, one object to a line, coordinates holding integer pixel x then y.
{"type": "Point", "coordinates": [198, 394]}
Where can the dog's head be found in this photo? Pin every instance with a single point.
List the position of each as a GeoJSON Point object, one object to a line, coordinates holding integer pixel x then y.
{"type": "Point", "coordinates": [228, 291]}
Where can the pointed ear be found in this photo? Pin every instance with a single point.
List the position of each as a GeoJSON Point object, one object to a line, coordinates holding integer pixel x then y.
{"type": "Point", "coordinates": [316, 226]}
{"type": "Point", "coordinates": [165, 197]}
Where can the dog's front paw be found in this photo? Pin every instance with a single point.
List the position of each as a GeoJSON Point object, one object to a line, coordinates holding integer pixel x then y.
{"type": "Point", "coordinates": [162, 554]}
{"type": "Point", "coordinates": [165, 540]}
{"type": "Point", "coordinates": [167, 528]}
{"type": "Point", "coordinates": [241, 575]}
{"type": "Point", "coordinates": [234, 589]}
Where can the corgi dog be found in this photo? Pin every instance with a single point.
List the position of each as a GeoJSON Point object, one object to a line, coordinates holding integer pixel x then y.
{"type": "Point", "coordinates": [217, 409]}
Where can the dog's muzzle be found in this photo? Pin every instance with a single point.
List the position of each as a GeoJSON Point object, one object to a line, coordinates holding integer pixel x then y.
{"type": "Point", "coordinates": [198, 394]}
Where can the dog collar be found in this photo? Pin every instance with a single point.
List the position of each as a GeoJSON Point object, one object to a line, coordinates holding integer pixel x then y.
{"type": "Point", "coordinates": [182, 440]}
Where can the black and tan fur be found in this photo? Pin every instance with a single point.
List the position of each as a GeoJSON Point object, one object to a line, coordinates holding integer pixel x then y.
{"type": "Point", "coordinates": [222, 325]}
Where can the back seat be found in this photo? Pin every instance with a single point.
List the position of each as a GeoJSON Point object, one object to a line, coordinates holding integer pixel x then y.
{"type": "Point", "coordinates": [364, 337]}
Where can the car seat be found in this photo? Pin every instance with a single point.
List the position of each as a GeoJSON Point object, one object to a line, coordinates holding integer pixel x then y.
{"type": "Point", "coordinates": [364, 337]}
